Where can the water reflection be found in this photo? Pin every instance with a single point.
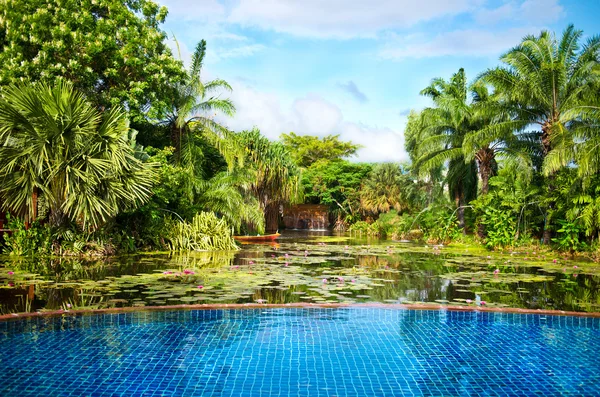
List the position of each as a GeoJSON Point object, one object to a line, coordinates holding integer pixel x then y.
{"type": "Point", "coordinates": [301, 269]}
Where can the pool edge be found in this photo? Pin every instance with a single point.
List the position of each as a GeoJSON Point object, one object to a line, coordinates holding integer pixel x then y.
{"type": "Point", "coordinates": [241, 306]}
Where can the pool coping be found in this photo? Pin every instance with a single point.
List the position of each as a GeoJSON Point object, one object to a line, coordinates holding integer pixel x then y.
{"type": "Point", "coordinates": [242, 306]}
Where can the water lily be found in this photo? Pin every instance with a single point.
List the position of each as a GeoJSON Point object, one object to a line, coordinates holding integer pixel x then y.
{"type": "Point", "coordinates": [324, 280]}
{"type": "Point", "coordinates": [69, 305]}
{"type": "Point", "coordinates": [285, 264]}
{"type": "Point", "coordinates": [482, 303]}
{"type": "Point", "coordinates": [468, 301]}
{"type": "Point", "coordinates": [200, 286]}
{"type": "Point", "coordinates": [496, 271]}
{"type": "Point", "coordinates": [11, 273]}
{"type": "Point", "coordinates": [353, 280]}
{"type": "Point", "coordinates": [251, 262]}
{"type": "Point", "coordinates": [186, 271]}
{"type": "Point", "coordinates": [575, 267]}
{"type": "Point", "coordinates": [554, 261]}
{"type": "Point", "coordinates": [287, 256]}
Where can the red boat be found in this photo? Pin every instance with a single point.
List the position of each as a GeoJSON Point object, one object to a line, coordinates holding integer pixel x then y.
{"type": "Point", "coordinates": [257, 239]}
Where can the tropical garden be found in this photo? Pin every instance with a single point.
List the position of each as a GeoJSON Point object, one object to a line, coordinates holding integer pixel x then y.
{"type": "Point", "coordinates": [110, 144]}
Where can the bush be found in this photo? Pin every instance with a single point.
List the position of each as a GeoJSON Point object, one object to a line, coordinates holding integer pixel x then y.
{"type": "Point", "coordinates": [206, 232]}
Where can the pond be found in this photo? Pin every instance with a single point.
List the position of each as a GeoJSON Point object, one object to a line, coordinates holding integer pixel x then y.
{"type": "Point", "coordinates": [302, 267]}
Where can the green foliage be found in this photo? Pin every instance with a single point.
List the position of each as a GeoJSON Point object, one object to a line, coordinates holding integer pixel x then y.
{"type": "Point", "coordinates": [336, 184]}
{"type": "Point", "coordinates": [112, 50]}
{"type": "Point", "coordinates": [387, 187]}
{"type": "Point", "coordinates": [500, 227]}
{"type": "Point", "coordinates": [204, 233]}
{"type": "Point", "coordinates": [567, 236]}
{"type": "Point", "coordinates": [365, 228]}
{"type": "Point", "coordinates": [57, 145]}
{"type": "Point", "coordinates": [276, 178]}
{"type": "Point", "coordinates": [22, 241]}
{"type": "Point", "coordinates": [307, 150]}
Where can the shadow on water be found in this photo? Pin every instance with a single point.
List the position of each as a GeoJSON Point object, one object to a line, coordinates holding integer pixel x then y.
{"type": "Point", "coordinates": [303, 267]}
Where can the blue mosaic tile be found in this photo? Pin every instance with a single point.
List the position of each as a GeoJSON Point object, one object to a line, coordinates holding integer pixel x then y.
{"type": "Point", "coordinates": [301, 352]}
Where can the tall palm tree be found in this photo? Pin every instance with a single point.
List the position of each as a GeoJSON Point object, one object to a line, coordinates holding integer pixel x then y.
{"type": "Point", "coordinates": [56, 144]}
{"type": "Point", "coordinates": [193, 108]}
{"type": "Point", "coordinates": [516, 146]}
{"type": "Point", "coordinates": [447, 123]}
{"type": "Point", "coordinates": [277, 178]}
{"type": "Point", "coordinates": [552, 83]}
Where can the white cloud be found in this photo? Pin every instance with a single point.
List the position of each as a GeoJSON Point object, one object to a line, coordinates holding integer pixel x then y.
{"type": "Point", "coordinates": [542, 11]}
{"type": "Point", "coordinates": [469, 42]}
{"type": "Point", "coordinates": [239, 52]}
{"type": "Point", "coordinates": [343, 18]}
{"type": "Point", "coordinates": [311, 115]}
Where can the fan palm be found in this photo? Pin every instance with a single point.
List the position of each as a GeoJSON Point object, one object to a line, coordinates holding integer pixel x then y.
{"type": "Point", "coordinates": [385, 188]}
{"type": "Point", "coordinates": [55, 143]}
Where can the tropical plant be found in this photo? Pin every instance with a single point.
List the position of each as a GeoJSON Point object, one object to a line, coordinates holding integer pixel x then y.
{"type": "Point", "coordinates": [552, 83]}
{"type": "Point", "coordinates": [205, 232]}
{"type": "Point", "coordinates": [192, 109]}
{"type": "Point", "coordinates": [447, 124]}
{"type": "Point", "coordinates": [56, 144]}
{"type": "Point", "coordinates": [387, 187]}
{"type": "Point", "coordinates": [276, 177]}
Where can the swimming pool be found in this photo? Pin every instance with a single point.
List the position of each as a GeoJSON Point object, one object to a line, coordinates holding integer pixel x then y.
{"type": "Point", "coordinates": [300, 352]}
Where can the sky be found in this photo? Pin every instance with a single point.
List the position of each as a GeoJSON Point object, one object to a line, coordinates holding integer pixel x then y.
{"type": "Point", "coordinates": [353, 68]}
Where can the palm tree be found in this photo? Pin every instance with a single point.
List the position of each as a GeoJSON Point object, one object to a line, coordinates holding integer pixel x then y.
{"type": "Point", "coordinates": [227, 194]}
{"type": "Point", "coordinates": [192, 112]}
{"type": "Point", "coordinates": [518, 146]}
{"type": "Point", "coordinates": [447, 124]}
{"type": "Point", "coordinates": [387, 187]}
{"type": "Point", "coordinates": [277, 178]}
{"type": "Point", "coordinates": [56, 144]}
{"type": "Point", "coordinates": [551, 83]}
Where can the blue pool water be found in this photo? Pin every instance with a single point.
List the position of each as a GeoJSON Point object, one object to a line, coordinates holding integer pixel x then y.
{"type": "Point", "coordinates": [301, 352]}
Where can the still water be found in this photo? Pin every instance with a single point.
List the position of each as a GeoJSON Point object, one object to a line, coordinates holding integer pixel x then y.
{"type": "Point", "coordinates": [304, 268]}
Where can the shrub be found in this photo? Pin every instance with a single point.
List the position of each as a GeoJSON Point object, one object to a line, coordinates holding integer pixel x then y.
{"type": "Point", "coordinates": [205, 232]}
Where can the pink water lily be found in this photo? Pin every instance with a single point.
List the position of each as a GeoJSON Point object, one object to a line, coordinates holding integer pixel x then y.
{"type": "Point", "coordinates": [575, 267]}
{"type": "Point", "coordinates": [186, 271]}
{"type": "Point", "coordinates": [496, 271]}
{"type": "Point", "coordinates": [554, 261]}
{"type": "Point", "coordinates": [468, 301]}
{"type": "Point", "coordinates": [69, 305]}
{"type": "Point", "coordinates": [285, 264]}
{"type": "Point", "coordinates": [324, 280]}
{"type": "Point", "coordinates": [482, 303]}
{"type": "Point", "coordinates": [353, 281]}
{"type": "Point", "coordinates": [251, 262]}
{"type": "Point", "coordinates": [200, 286]}
{"type": "Point", "coordinates": [11, 273]}
{"type": "Point", "coordinates": [287, 256]}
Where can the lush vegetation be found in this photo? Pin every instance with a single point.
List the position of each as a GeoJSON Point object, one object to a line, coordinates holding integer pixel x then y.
{"type": "Point", "coordinates": [115, 147]}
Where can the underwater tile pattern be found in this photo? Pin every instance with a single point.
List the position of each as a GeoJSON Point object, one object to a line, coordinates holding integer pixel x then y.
{"type": "Point", "coordinates": [301, 352]}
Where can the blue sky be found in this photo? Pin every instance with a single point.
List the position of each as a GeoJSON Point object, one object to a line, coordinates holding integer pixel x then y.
{"type": "Point", "coordinates": [354, 67]}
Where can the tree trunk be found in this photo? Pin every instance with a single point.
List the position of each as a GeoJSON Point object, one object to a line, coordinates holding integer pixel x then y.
{"type": "Point", "coordinates": [546, 148]}
{"type": "Point", "coordinates": [176, 141]}
{"type": "Point", "coordinates": [484, 157]}
{"type": "Point", "coordinates": [459, 198]}
{"type": "Point", "coordinates": [271, 218]}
